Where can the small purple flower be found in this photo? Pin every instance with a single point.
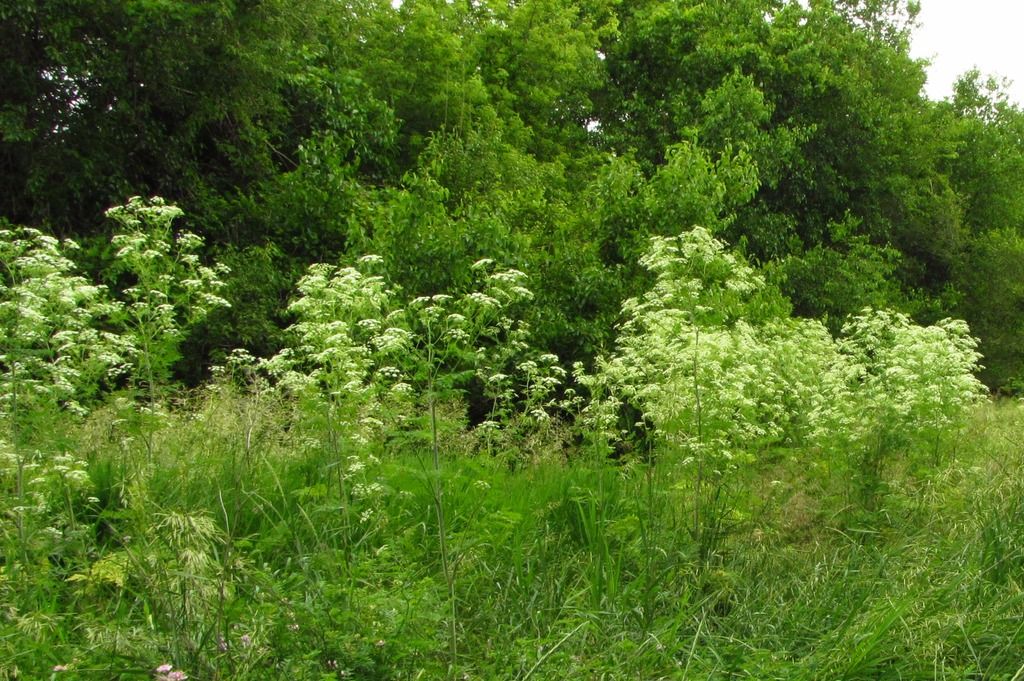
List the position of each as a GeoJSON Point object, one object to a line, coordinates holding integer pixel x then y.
{"type": "Point", "coordinates": [246, 640]}
{"type": "Point", "coordinates": [166, 672]}
{"type": "Point", "coordinates": [222, 645]}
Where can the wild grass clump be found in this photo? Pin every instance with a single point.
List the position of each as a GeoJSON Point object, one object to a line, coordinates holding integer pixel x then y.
{"type": "Point", "coordinates": [235, 563]}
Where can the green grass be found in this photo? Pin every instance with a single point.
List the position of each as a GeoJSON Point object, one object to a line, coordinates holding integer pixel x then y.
{"type": "Point", "coordinates": [232, 554]}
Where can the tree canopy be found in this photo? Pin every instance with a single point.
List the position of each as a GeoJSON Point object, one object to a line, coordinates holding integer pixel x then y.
{"type": "Point", "coordinates": [556, 137]}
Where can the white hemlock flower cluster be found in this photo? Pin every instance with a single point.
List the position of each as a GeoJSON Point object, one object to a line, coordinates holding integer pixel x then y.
{"type": "Point", "coordinates": [346, 337]}
{"type": "Point", "coordinates": [688, 360]}
{"type": "Point", "coordinates": [718, 379]}
{"type": "Point", "coordinates": [53, 349]}
{"type": "Point", "coordinates": [171, 291]}
{"type": "Point", "coordinates": [897, 384]}
{"type": "Point", "coordinates": [63, 340]}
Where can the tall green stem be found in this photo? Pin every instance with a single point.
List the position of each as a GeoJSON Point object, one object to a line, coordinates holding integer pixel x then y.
{"type": "Point", "coordinates": [13, 425]}
{"type": "Point", "coordinates": [700, 444]}
{"type": "Point", "coordinates": [442, 530]}
{"type": "Point", "coordinates": [334, 442]}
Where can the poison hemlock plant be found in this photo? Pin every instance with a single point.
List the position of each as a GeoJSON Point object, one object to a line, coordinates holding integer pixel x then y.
{"type": "Point", "coordinates": [366, 357]}
{"type": "Point", "coordinates": [896, 387]}
{"type": "Point", "coordinates": [720, 378]}
{"type": "Point", "coordinates": [346, 335]}
{"type": "Point", "coordinates": [802, 352]}
{"type": "Point", "coordinates": [53, 358]}
{"type": "Point", "coordinates": [695, 370]}
{"type": "Point", "coordinates": [521, 426]}
{"type": "Point", "coordinates": [170, 289]}
{"type": "Point", "coordinates": [453, 338]}
{"type": "Point", "coordinates": [492, 342]}
{"type": "Point", "coordinates": [54, 353]}
{"type": "Point", "coordinates": [64, 340]}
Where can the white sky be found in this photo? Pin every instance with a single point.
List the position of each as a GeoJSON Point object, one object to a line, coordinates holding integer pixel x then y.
{"type": "Point", "coordinates": [958, 35]}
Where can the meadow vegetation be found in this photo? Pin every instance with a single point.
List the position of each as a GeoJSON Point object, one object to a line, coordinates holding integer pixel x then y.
{"type": "Point", "coordinates": [728, 493]}
{"type": "Point", "coordinates": [532, 339]}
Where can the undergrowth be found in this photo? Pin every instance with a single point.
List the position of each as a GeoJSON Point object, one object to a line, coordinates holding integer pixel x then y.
{"type": "Point", "coordinates": [728, 493]}
{"type": "Point", "coordinates": [226, 555]}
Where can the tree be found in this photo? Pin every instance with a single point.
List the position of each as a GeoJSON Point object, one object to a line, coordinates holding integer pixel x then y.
{"type": "Point", "coordinates": [825, 101]}
{"type": "Point", "coordinates": [989, 160]}
{"type": "Point", "coordinates": [991, 277]}
{"type": "Point", "coordinates": [192, 101]}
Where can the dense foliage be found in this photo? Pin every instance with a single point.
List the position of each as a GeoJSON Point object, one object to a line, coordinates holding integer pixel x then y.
{"type": "Point", "coordinates": [553, 137]}
{"type": "Point", "coordinates": [504, 340]}
{"type": "Point", "coordinates": [355, 439]}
